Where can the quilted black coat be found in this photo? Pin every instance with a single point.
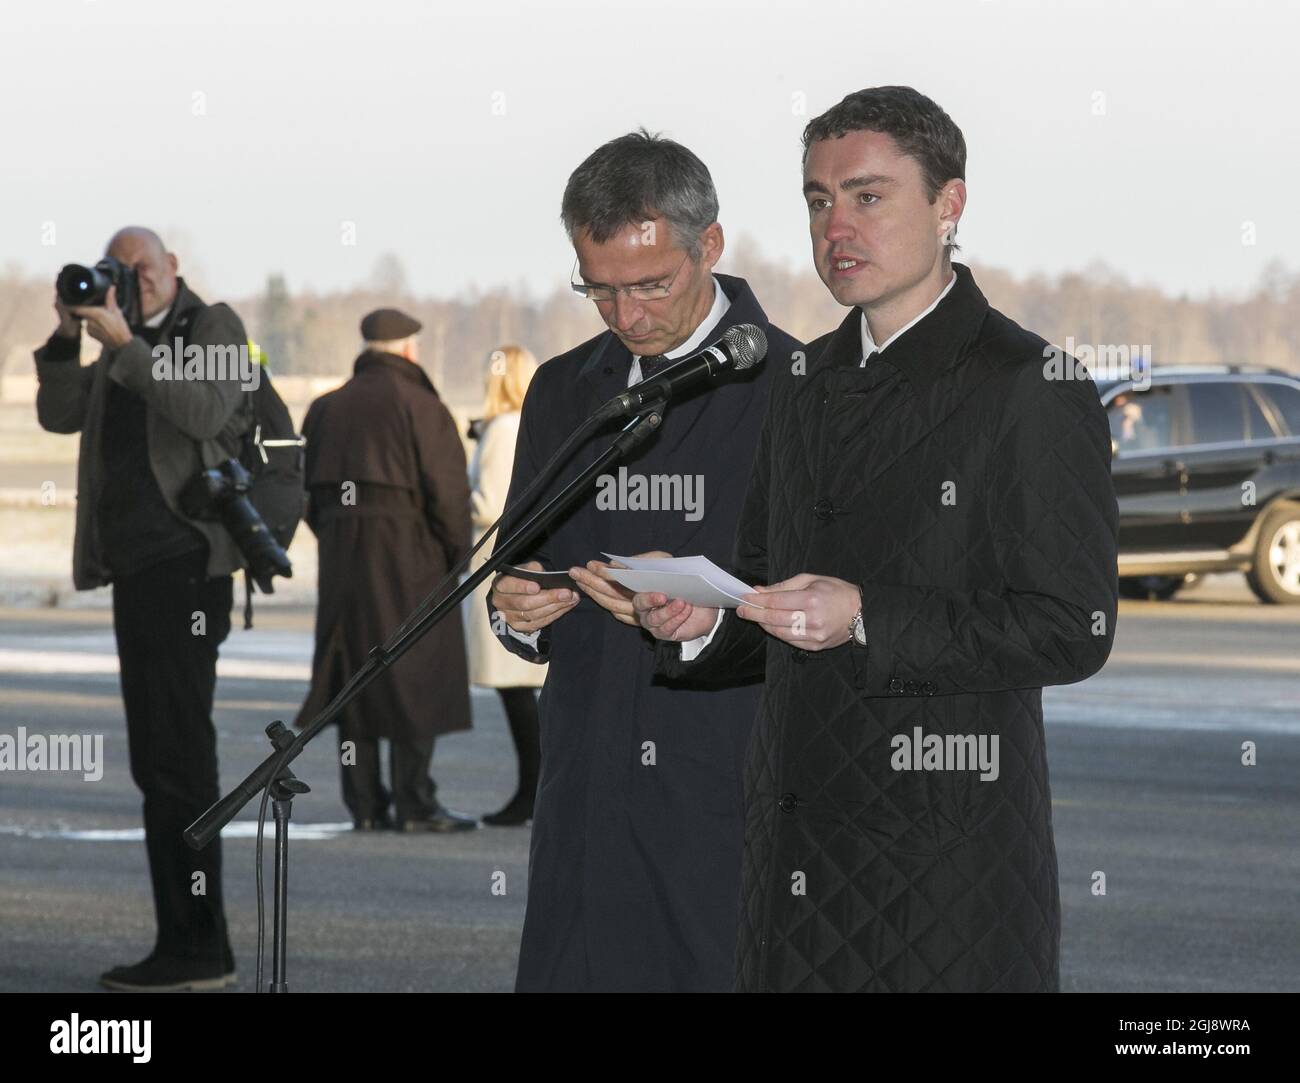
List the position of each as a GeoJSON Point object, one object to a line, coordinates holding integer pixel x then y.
{"type": "Point", "coordinates": [970, 498]}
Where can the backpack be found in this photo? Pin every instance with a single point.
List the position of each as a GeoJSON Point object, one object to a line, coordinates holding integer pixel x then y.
{"type": "Point", "coordinates": [272, 453]}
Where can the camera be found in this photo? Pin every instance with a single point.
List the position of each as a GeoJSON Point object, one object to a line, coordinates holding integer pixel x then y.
{"type": "Point", "coordinates": [78, 285]}
{"type": "Point", "coordinates": [221, 494]}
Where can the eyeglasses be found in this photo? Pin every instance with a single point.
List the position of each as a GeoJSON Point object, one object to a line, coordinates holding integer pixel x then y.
{"type": "Point", "coordinates": [599, 292]}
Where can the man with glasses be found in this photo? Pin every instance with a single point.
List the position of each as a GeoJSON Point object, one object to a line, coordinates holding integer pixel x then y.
{"type": "Point", "coordinates": [635, 861]}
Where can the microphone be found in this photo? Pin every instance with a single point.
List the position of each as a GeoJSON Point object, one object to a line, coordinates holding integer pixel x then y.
{"type": "Point", "coordinates": [740, 347]}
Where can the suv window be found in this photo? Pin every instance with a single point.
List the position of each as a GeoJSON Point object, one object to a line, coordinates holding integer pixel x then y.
{"type": "Point", "coordinates": [1218, 414]}
{"type": "Point", "coordinates": [1142, 420]}
{"type": "Point", "coordinates": [1286, 399]}
{"type": "Point", "coordinates": [1257, 426]}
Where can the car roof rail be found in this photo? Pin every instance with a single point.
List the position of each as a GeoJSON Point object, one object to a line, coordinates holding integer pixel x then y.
{"type": "Point", "coordinates": [1232, 369]}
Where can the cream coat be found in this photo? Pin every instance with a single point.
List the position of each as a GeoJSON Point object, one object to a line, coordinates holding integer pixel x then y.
{"type": "Point", "coordinates": [490, 664]}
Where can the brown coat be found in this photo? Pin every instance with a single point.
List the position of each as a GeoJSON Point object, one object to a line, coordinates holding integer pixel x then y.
{"type": "Point", "coordinates": [386, 541]}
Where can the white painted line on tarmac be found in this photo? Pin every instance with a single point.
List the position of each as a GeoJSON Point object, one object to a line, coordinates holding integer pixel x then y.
{"type": "Point", "coordinates": [240, 829]}
{"type": "Point", "coordinates": [90, 662]}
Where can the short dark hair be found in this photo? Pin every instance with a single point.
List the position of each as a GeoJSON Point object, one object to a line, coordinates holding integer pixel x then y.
{"type": "Point", "coordinates": [637, 177]}
{"type": "Point", "coordinates": [922, 130]}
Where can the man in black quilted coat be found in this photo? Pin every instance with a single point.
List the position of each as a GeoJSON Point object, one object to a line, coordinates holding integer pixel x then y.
{"type": "Point", "coordinates": [932, 513]}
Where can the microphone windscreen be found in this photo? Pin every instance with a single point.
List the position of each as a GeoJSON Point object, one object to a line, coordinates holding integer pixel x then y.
{"type": "Point", "coordinates": [748, 344]}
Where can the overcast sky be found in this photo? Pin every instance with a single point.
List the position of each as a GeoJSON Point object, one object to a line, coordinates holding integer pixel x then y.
{"type": "Point", "coordinates": [1159, 137]}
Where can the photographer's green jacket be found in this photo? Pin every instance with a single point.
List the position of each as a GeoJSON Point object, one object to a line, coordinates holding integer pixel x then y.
{"type": "Point", "coordinates": [192, 424]}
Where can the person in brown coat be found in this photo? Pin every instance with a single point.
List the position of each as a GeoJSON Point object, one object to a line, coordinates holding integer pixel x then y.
{"type": "Point", "coordinates": [388, 502]}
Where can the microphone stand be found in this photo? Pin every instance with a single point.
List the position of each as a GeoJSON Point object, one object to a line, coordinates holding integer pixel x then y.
{"type": "Point", "coordinates": [272, 776]}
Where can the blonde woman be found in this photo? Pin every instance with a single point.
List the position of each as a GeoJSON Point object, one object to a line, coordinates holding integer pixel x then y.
{"type": "Point", "coordinates": [510, 370]}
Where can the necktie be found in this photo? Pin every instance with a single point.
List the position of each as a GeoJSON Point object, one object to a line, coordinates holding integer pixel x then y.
{"type": "Point", "coordinates": [651, 366]}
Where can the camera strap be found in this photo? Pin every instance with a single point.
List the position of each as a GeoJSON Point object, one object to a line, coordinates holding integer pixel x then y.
{"type": "Point", "coordinates": [180, 329]}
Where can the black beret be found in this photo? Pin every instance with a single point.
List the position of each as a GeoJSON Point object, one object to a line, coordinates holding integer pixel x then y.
{"type": "Point", "coordinates": [388, 325]}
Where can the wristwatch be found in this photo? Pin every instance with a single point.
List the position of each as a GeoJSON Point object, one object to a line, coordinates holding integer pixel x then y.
{"type": "Point", "coordinates": [856, 630]}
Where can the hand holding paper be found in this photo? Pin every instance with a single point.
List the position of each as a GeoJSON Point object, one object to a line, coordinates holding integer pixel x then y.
{"type": "Point", "coordinates": [525, 604]}
{"type": "Point", "coordinates": [605, 592]}
{"type": "Point", "coordinates": [679, 600]}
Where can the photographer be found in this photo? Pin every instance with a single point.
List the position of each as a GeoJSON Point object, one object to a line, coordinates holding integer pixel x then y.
{"type": "Point", "coordinates": [143, 438]}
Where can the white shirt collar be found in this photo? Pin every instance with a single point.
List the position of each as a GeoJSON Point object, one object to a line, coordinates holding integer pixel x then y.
{"type": "Point", "coordinates": [868, 343]}
{"type": "Point", "coordinates": [158, 319]}
{"type": "Point", "coordinates": [721, 302]}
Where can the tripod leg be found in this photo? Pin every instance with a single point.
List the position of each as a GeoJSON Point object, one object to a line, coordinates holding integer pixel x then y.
{"type": "Point", "coordinates": [283, 809]}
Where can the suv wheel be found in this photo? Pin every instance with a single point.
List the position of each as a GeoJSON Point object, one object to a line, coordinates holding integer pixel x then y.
{"type": "Point", "coordinates": [1274, 575]}
{"type": "Point", "coordinates": [1155, 588]}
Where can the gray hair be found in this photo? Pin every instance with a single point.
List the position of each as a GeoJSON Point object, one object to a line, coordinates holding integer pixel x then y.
{"type": "Point", "coordinates": [637, 177]}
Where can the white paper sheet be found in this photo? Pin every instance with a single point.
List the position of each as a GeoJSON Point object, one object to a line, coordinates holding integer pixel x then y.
{"type": "Point", "coordinates": [693, 579]}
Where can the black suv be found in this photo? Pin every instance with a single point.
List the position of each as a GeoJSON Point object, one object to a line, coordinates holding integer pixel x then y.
{"type": "Point", "coordinates": [1207, 471]}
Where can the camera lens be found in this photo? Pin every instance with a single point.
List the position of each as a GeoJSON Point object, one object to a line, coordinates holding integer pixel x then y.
{"type": "Point", "coordinates": [78, 285]}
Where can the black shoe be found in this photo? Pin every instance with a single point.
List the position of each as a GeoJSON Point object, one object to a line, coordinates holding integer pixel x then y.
{"type": "Point", "coordinates": [376, 823]}
{"type": "Point", "coordinates": [158, 974]}
{"type": "Point", "coordinates": [443, 820]}
{"type": "Point", "coordinates": [518, 811]}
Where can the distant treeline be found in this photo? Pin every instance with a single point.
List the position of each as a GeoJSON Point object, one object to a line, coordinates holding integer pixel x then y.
{"type": "Point", "coordinates": [316, 334]}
